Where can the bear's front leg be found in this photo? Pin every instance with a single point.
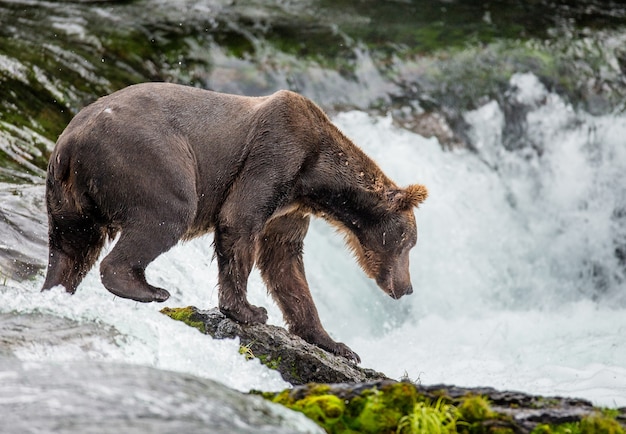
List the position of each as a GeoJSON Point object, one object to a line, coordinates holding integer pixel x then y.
{"type": "Point", "coordinates": [235, 258]}
{"type": "Point", "coordinates": [280, 262]}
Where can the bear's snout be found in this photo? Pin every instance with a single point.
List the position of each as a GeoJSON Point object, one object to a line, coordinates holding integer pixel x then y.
{"type": "Point", "coordinates": [396, 292]}
{"type": "Point", "coordinates": [396, 279]}
{"type": "Point", "coordinates": [394, 288]}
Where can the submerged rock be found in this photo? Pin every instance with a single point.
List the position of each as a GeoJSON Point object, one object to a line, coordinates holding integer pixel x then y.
{"type": "Point", "coordinates": [298, 361]}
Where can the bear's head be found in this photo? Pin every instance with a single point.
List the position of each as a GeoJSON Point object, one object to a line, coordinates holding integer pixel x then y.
{"type": "Point", "coordinates": [384, 243]}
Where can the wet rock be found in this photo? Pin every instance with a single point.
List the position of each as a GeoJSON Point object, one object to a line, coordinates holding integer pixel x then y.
{"type": "Point", "coordinates": [429, 124]}
{"type": "Point", "coordinates": [23, 228]}
{"type": "Point", "coordinates": [97, 397]}
{"type": "Point", "coordinates": [297, 361]}
{"type": "Point", "coordinates": [21, 330]}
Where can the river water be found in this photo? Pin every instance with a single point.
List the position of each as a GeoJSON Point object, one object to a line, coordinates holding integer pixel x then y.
{"type": "Point", "coordinates": [520, 268]}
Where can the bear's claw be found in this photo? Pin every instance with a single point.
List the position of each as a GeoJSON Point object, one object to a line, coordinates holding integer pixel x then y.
{"type": "Point", "coordinates": [344, 351]}
{"type": "Point", "coordinates": [160, 295]}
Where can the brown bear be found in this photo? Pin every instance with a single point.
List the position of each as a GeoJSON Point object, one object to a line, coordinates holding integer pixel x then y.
{"type": "Point", "coordinates": [159, 162]}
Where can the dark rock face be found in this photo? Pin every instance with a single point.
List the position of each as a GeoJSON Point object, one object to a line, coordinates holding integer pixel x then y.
{"type": "Point", "coordinates": [297, 361]}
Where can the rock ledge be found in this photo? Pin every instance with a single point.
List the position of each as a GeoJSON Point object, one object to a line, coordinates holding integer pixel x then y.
{"type": "Point", "coordinates": [341, 396]}
{"type": "Point", "coordinates": [298, 361]}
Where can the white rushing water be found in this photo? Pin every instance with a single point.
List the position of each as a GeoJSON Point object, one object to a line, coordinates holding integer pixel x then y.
{"type": "Point", "coordinates": [516, 282]}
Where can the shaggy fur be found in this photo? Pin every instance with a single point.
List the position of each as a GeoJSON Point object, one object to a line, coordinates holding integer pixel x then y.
{"type": "Point", "coordinates": [159, 162]}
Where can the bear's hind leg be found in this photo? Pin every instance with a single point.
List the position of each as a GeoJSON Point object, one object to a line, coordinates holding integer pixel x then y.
{"type": "Point", "coordinates": [282, 269]}
{"type": "Point", "coordinates": [75, 242]}
{"type": "Point", "coordinates": [123, 270]}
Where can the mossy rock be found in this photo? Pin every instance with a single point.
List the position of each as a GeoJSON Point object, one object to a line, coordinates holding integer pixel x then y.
{"type": "Point", "coordinates": [596, 423]}
{"type": "Point", "coordinates": [388, 407]}
{"type": "Point", "coordinates": [404, 407]}
{"type": "Point", "coordinates": [298, 361]}
{"type": "Point", "coordinates": [188, 315]}
{"type": "Point", "coordinates": [381, 408]}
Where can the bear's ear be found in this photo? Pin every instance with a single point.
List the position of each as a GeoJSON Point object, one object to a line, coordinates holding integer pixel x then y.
{"type": "Point", "coordinates": [409, 197]}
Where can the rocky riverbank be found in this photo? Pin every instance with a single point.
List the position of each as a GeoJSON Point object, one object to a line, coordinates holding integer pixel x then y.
{"type": "Point", "coordinates": [342, 397]}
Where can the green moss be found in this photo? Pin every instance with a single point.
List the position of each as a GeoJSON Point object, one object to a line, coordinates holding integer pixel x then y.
{"type": "Point", "coordinates": [597, 423]}
{"type": "Point", "coordinates": [475, 408]}
{"type": "Point", "coordinates": [375, 413]}
{"type": "Point", "coordinates": [295, 373]}
{"type": "Point", "coordinates": [186, 315]}
{"type": "Point", "coordinates": [476, 416]}
{"type": "Point", "coordinates": [566, 428]}
{"type": "Point", "coordinates": [399, 408]}
{"type": "Point", "coordinates": [268, 361]}
{"type": "Point", "coordinates": [390, 409]}
{"type": "Point", "coordinates": [326, 410]}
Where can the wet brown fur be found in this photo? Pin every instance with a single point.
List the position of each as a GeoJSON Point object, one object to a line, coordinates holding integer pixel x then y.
{"type": "Point", "coordinates": [158, 163]}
